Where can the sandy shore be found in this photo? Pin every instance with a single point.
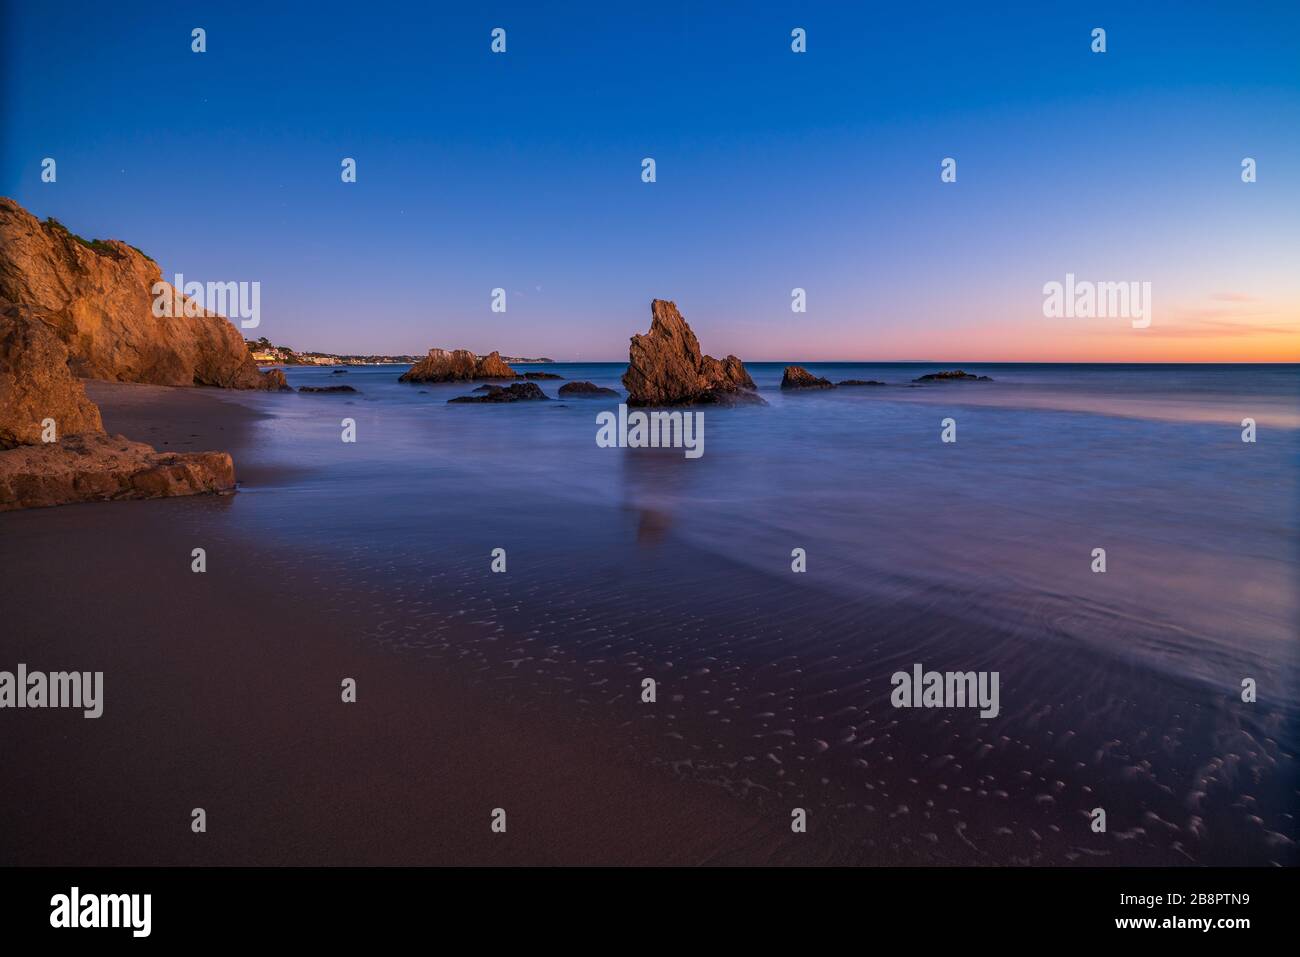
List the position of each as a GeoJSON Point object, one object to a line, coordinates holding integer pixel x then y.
{"type": "Point", "coordinates": [222, 691]}
{"type": "Point", "coordinates": [521, 692]}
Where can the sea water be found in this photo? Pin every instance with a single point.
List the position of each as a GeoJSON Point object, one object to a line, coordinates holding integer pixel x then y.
{"type": "Point", "coordinates": [973, 554]}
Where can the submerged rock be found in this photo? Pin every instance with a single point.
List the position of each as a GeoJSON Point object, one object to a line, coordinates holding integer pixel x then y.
{"type": "Point", "coordinates": [458, 365]}
{"type": "Point", "coordinates": [519, 392]}
{"type": "Point", "coordinates": [36, 383]}
{"type": "Point", "coordinates": [95, 467]}
{"type": "Point", "coordinates": [957, 376]}
{"type": "Point", "coordinates": [666, 367]}
{"type": "Point", "coordinates": [584, 390]}
{"type": "Point", "coordinates": [98, 296]}
{"type": "Point", "coordinates": [326, 388]}
{"type": "Point", "coordinates": [797, 377]}
{"type": "Point", "coordinates": [542, 375]}
{"type": "Point", "coordinates": [849, 383]}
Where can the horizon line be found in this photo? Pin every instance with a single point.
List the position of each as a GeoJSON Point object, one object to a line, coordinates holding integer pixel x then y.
{"type": "Point", "coordinates": [970, 362]}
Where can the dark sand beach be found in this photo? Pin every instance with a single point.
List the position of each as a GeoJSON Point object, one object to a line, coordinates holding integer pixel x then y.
{"type": "Point", "coordinates": [223, 692]}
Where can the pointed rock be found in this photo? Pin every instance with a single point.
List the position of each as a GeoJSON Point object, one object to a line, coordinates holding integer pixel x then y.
{"type": "Point", "coordinates": [666, 367]}
{"type": "Point", "coordinates": [797, 377]}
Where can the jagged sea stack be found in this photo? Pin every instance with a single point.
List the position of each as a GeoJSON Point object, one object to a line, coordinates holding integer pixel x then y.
{"type": "Point", "coordinates": [666, 367]}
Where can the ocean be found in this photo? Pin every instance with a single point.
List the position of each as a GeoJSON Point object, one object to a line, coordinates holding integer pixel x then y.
{"type": "Point", "coordinates": [1119, 690]}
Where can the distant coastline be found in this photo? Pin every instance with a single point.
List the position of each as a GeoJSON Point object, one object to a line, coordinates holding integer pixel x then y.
{"type": "Point", "coordinates": [265, 353]}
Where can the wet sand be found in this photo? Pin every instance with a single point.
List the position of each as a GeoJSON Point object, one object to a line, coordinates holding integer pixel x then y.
{"type": "Point", "coordinates": [222, 691]}
{"type": "Point", "coordinates": [520, 691]}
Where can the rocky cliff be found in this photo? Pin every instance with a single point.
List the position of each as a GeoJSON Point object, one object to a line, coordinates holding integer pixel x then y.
{"type": "Point", "coordinates": [98, 296]}
{"type": "Point", "coordinates": [70, 308]}
{"type": "Point", "coordinates": [458, 365]}
{"type": "Point", "coordinates": [666, 367]}
{"type": "Point", "coordinates": [36, 385]}
{"type": "Point", "coordinates": [53, 449]}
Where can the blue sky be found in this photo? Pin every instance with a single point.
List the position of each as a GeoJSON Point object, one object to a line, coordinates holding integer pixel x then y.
{"type": "Point", "coordinates": [775, 169]}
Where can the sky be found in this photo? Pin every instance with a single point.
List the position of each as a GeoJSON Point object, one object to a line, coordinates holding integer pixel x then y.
{"type": "Point", "coordinates": [775, 170]}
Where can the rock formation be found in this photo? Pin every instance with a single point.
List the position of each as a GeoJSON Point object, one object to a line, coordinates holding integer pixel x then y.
{"type": "Point", "coordinates": [519, 392]}
{"type": "Point", "coordinates": [542, 375]}
{"type": "Point", "coordinates": [957, 376]}
{"type": "Point", "coordinates": [491, 367]}
{"type": "Point", "coordinates": [797, 377]}
{"type": "Point", "coordinates": [72, 308]}
{"type": "Point", "coordinates": [666, 367]}
{"type": "Point", "coordinates": [273, 380]}
{"type": "Point", "coordinates": [584, 390]}
{"type": "Point", "coordinates": [36, 384]}
{"type": "Point", "coordinates": [82, 464]}
{"type": "Point", "coordinates": [98, 296]}
{"type": "Point", "coordinates": [459, 365]}
{"type": "Point", "coordinates": [326, 388]}
{"type": "Point", "coordinates": [849, 383]}
{"type": "Point", "coordinates": [96, 467]}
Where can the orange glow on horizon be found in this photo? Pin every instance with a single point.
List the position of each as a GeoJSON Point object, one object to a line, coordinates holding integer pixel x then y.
{"type": "Point", "coordinates": [1192, 335]}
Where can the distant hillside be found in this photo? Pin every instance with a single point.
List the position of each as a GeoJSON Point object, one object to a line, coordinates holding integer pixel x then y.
{"type": "Point", "coordinates": [265, 353]}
